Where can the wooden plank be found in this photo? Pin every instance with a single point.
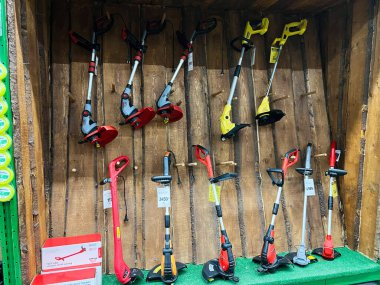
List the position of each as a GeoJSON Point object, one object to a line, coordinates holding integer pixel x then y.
{"type": "Point", "coordinates": [353, 114]}
{"type": "Point", "coordinates": [81, 182]}
{"type": "Point", "coordinates": [204, 223]}
{"type": "Point", "coordinates": [223, 151]}
{"type": "Point", "coordinates": [371, 185]}
{"type": "Point", "coordinates": [154, 141]}
{"type": "Point", "coordinates": [177, 142]}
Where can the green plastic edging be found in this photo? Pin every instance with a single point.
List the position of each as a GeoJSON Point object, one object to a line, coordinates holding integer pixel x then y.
{"type": "Point", "coordinates": [9, 230]}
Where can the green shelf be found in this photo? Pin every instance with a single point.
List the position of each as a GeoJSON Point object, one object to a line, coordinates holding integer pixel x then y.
{"type": "Point", "coordinates": [351, 268]}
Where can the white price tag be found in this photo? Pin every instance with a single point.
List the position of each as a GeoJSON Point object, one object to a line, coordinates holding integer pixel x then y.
{"type": "Point", "coordinates": [309, 186]}
{"type": "Point", "coordinates": [163, 196]}
{"type": "Point", "coordinates": [107, 199]}
{"type": "Point", "coordinates": [190, 66]}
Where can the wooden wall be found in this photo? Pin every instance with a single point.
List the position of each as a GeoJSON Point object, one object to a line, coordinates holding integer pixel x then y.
{"type": "Point", "coordinates": [75, 200]}
{"type": "Point", "coordinates": [351, 51]}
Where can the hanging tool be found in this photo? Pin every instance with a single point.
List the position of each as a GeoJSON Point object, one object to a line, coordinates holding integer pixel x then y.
{"type": "Point", "coordinates": [94, 134]}
{"type": "Point", "coordinates": [224, 266]}
{"type": "Point", "coordinates": [167, 270]}
{"type": "Point", "coordinates": [138, 118]}
{"type": "Point", "coordinates": [123, 273]}
{"type": "Point", "coordinates": [300, 257]}
{"type": "Point", "coordinates": [168, 111]}
{"type": "Point", "coordinates": [328, 252]}
{"type": "Point", "coordinates": [228, 128]}
{"type": "Point", "coordinates": [268, 259]}
{"type": "Point", "coordinates": [265, 115]}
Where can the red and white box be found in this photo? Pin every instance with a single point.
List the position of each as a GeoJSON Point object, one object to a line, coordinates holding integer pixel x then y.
{"type": "Point", "coordinates": [74, 277]}
{"type": "Point", "coordinates": [73, 253]}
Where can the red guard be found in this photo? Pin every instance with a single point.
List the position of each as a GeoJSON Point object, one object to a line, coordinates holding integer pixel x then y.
{"type": "Point", "coordinates": [104, 135]}
{"type": "Point", "coordinates": [328, 248]}
{"type": "Point", "coordinates": [223, 257]}
{"type": "Point", "coordinates": [141, 118]}
{"type": "Point", "coordinates": [172, 112]}
{"type": "Point", "coordinates": [271, 255]}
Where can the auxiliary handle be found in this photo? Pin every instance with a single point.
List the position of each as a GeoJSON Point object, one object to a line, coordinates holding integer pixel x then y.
{"type": "Point", "coordinates": [82, 42]}
{"type": "Point", "coordinates": [103, 24]}
{"type": "Point", "coordinates": [290, 158]}
{"type": "Point", "coordinates": [117, 165]}
{"type": "Point", "coordinates": [291, 29]}
{"type": "Point", "coordinates": [205, 27]}
{"type": "Point", "coordinates": [203, 155]}
{"type": "Point", "coordinates": [275, 180]}
{"type": "Point", "coordinates": [156, 26]}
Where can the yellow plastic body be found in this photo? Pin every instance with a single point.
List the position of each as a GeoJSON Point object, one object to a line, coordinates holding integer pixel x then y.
{"type": "Point", "coordinates": [249, 30]}
{"type": "Point", "coordinates": [6, 176]}
{"type": "Point", "coordinates": [3, 89]}
{"type": "Point", "coordinates": [4, 124]}
{"type": "Point", "coordinates": [6, 193]}
{"type": "Point", "coordinates": [3, 71]}
{"type": "Point", "coordinates": [5, 142]}
{"type": "Point", "coordinates": [3, 106]}
{"type": "Point", "coordinates": [264, 106]}
{"type": "Point", "coordinates": [174, 265]}
{"type": "Point", "coordinates": [225, 120]}
{"type": "Point", "coordinates": [5, 159]}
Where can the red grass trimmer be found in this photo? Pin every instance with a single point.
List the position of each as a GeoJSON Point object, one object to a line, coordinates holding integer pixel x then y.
{"type": "Point", "coordinates": [94, 134]}
{"type": "Point", "coordinates": [167, 110]}
{"type": "Point", "coordinates": [132, 116]}
{"type": "Point", "coordinates": [268, 259]}
{"type": "Point", "coordinates": [224, 266]}
{"type": "Point", "coordinates": [167, 270]}
{"type": "Point", "coordinates": [328, 252]}
{"type": "Point", "coordinates": [124, 274]}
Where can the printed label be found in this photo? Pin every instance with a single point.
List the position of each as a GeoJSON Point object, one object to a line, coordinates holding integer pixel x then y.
{"type": "Point", "coordinates": [334, 188]}
{"type": "Point", "coordinates": [273, 54]}
{"type": "Point", "coordinates": [107, 199]}
{"type": "Point", "coordinates": [309, 186]}
{"type": "Point", "coordinates": [190, 66]}
{"type": "Point", "coordinates": [163, 196]}
{"type": "Point", "coordinates": [211, 197]}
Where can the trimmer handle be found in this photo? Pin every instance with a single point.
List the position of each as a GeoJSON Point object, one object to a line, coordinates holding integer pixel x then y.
{"type": "Point", "coordinates": [205, 26]}
{"type": "Point", "coordinates": [103, 24]}
{"type": "Point", "coordinates": [81, 41]}
{"type": "Point", "coordinates": [203, 156]}
{"type": "Point", "coordinates": [155, 26]}
{"type": "Point", "coordinates": [275, 180]}
{"type": "Point", "coordinates": [130, 38]}
{"type": "Point", "coordinates": [333, 154]}
{"type": "Point", "coordinates": [290, 158]}
{"type": "Point", "coordinates": [117, 165]}
{"type": "Point", "coordinates": [291, 29]}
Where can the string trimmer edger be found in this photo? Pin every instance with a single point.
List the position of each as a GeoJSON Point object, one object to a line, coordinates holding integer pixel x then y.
{"type": "Point", "coordinates": [265, 115]}
{"type": "Point", "coordinates": [94, 134]}
{"type": "Point", "coordinates": [124, 274]}
{"type": "Point", "coordinates": [167, 110]}
{"type": "Point", "coordinates": [268, 259]}
{"type": "Point", "coordinates": [328, 252]}
{"type": "Point", "coordinates": [167, 270]}
{"type": "Point", "coordinates": [228, 128]}
{"type": "Point", "coordinates": [223, 266]}
{"type": "Point", "coordinates": [132, 116]}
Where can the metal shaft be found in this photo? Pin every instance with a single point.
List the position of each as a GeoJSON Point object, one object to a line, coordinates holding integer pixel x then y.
{"type": "Point", "coordinates": [304, 216]}
{"type": "Point", "coordinates": [332, 181]}
{"type": "Point", "coordinates": [217, 204]}
{"type": "Point", "coordinates": [91, 75]}
{"type": "Point", "coordinates": [273, 72]}
{"type": "Point", "coordinates": [278, 203]}
{"type": "Point", "coordinates": [181, 61]}
{"type": "Point", "coordinates": [236, 77]}
{"type": "Point", "coordinates": [136, 62]}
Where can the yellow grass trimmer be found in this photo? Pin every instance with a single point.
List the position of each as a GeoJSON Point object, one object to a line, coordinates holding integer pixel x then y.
{"type": "Point", "coordinates": [265, 115]}
{"type": "Point", "coordinates": [228, 128]}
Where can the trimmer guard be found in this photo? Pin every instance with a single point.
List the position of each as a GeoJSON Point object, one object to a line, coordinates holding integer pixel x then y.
{"type": "Point", "coordinates": [271, 268]}
{"type": "Point", "coordinates": [270, 117]}
{"type": "Point", "coordinates": [155, 273]}
{"type": "Point", "coordinates": [101, 136]}
{"type": "Point", "coordinates": [135, 273]}
{"type": "Point", "coordinates": [212, 270]}
{"type": "Point", "coordinates": [141, 118]}
{"type": "Point", "coordinates": [233, 131]}
{"type": "Point", "coordinates": [171, 113]}
{"type": "Point", "coordinates": [330, 255]}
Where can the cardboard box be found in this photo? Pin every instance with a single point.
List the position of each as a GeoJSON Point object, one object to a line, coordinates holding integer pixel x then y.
{"type": "Point", "coordinates": [72, 253]}
{"type": "Point", "coordinates": [74, 277]}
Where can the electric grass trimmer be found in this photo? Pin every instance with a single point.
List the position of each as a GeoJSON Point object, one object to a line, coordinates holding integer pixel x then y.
{"type": "Point", "coordinates": [167, 110]}
{"type": "Point", "coordinates": [265, 115]}
{"type": "Point", "coordinates": [223, 266]}
{"type": "Point", "coordinates": [94, 134]}
{"type": "Point", "coordinates": [268, 259]}
{"type": "Point", "coordinates": [138, 118]}
{"type": "Point", "coordinates": [167, 270]}
{"type": "Point", "coordinates": [328, 252]}
{"type": "Point", "coordinates": [124, 274]}
{"type": "Point", "coordinates": [228, 128]}
{"type": "Point", "coordinates": [300, 257]}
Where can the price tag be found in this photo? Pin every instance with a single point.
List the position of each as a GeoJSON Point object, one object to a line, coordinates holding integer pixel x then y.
{"type": "Point", "coordinates": [211, 197]}
{"type": "Point", "coordinates": [163, 196]}
{"type": "Point", "coordinates": [309, 186]}
{"type": "Point", "coordinates": [107, 199]}
{"type": "Point", "coordinates": [190, 66]}
{"type": "Point", "coordinates": [334, 188]}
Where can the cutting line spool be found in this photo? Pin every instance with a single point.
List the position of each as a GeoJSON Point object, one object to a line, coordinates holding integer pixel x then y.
{"type": "Point", "coordinates": [4, 124]}
{"type": "Point", "coordinates": [6, 193]}
{"type": "Point", "coordinates": [3, 106]}
{"type": "Point", "coordinates": [6, 176]}
{"type": "Point", "coordinates": [5, 159]}
{"type": "Point", "coordinates": [5, 142]}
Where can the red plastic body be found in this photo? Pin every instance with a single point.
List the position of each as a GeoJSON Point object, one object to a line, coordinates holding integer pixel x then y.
{"type": "Point", "coordinates": [121, 268]}
{"type": "Point", "coordinates": [143, 117]}
{"type": "Point", "coordinates": [271, 255]}
{"type": "Point", "coordinates": [203, 156]}
{"type": "Point", "coordinates": [290, 159]}
{"type": "Point", "coordinates": [172, 112]}
{"type": "Point", "coordinates": [333, 154]}
{"type": "Point", "coordinates": [328, 248]}
{"type": "Point", "coordinates": [105, 135]}
{"type": "Point", "coordinates": [223, 257]}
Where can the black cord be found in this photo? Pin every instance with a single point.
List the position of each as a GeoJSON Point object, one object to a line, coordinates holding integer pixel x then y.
{"type": "Point", "coordinates": [125, 200]}
{"type": "Point", "coordinates": [179, 182]}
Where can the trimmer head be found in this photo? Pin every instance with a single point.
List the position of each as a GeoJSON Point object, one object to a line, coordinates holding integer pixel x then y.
{"type": "Point", "coordinates": [327, 252]}
{"type": "Point", "coordinates": [301, 258]}
{"type": "Point", "coordinates": [270, 117]}
{"type": "Point", "coordinates": [171, 113]}
{"type": "Point", "coordinates": [140, 118]}
{"type": "Point", "coordinates": [101, 136]}
{"type": "Point", "coordinates": [270, 267]}
{"type": "Point", "coordinates": [212, 270]}
{"type": "Point", "coordinates": [156, 274]}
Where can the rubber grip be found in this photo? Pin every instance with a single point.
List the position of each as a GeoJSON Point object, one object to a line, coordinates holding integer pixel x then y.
{"type": "Point", "coordinates": [332, 153]}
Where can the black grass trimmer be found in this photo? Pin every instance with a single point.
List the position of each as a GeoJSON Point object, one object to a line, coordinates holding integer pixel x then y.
{"type": "Point", "coordinates": [268, 259]}
{"type": "Point", "coordinates": [228, 128]}
{"type": "Point", "coordinates": [300, 257]}
{"type": "Point", "coordinates": [166, 109]}
{"type": "Point", "coordinates": [327, 251]}
{"type": "Point", "coordinates": [167, 270]}
{"type": "Point", "coordinates": [224, 266]}
{"type": "Point", "coordinates": [132, 116]}
{"type": "Point", "coordinates": [94, 134]}
{"type": "Point", "coordinates": [265, 115]}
